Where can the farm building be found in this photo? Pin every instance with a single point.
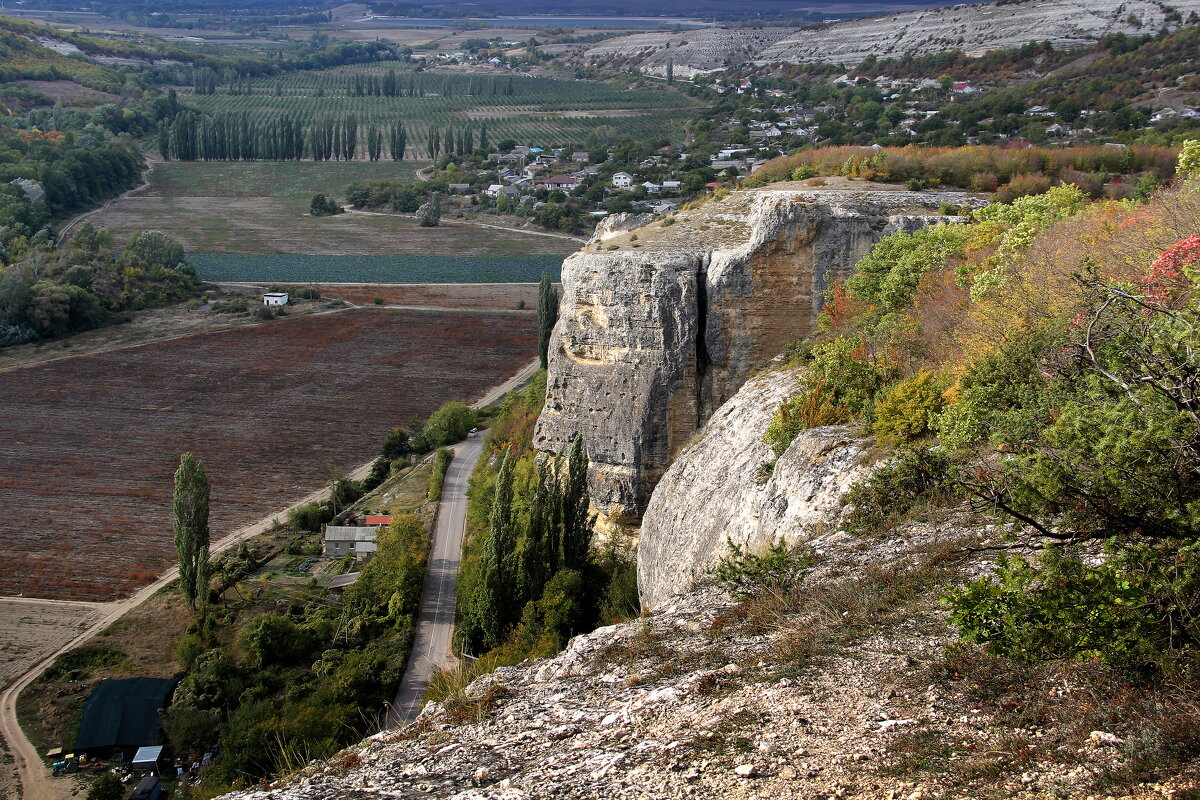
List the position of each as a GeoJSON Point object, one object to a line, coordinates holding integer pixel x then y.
{"type": "Point", "coordinates": [148, 758]}
{"type": "Point", "coordinates": [149, 788]}
{"type": "Point", "coordinates": [359, 541]}
{"type": "Point", "coordinates": [275, 299]}
{"type": "Point", "coordinates": [123, 716]}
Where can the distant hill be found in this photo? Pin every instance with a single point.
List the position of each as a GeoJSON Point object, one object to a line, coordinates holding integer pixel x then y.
{"type": "Point", "coordinates": [767, 10]}
{"type": "Point", "coordinates": [975, 29]}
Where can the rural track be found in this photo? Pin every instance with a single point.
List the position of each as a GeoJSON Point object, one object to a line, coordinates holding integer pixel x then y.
{"type": "Point", "coordinates": [452, 223]}
{"type": "Point", "coordinates": [35, 779]}
{"type": "Point", "coordinates": [145, 184]}
{"type": "Point", "coordinates": [439, 593]}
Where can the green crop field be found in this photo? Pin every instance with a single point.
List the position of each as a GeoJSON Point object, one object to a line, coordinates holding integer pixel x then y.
{"type": "Point", "coordinates": [543, 111]}
{"type": "Point", "coordinates": [376, 269]}
{"type": "Point", "coordinates": [262, 207]}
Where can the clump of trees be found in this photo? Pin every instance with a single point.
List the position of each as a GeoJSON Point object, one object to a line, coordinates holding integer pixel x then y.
{"type": "Point", "coordinates": [1039, 365]}
{"type": "Point", "coordinates": [429, 214]}
{"type": "Point", "coordinates": [449, 424]}
{"type": "Point", "coordinates": [322, 206]}
{"type": "Point", "coordinates": [532, 576]}
{"type": "Point", "coordinates": [52, 292]}
{"type": "Point", "coordinates": [1010, 173]}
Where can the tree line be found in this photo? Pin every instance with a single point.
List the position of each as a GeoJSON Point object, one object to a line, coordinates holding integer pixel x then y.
{"type": "Point", "coordinates": [238, 136]}
{"type": "Point", "coordinates": [459, 142]}
{"type": "Point", "coordinates": [391, 85]}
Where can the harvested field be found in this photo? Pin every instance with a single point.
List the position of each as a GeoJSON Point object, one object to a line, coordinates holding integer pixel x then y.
{"type": "Point", "coordinates": [479, 296]}
{"type": "Point", "coordinates": [71, 93]}
{"type": "Point", "coordinates": [89, 444]}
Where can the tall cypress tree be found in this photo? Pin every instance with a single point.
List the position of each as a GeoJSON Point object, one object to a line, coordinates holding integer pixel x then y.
{"type": "Point", "coordinates": [577, 523]}
{"type": "Point", "coordinates": [191, 526]}
{"type": "Point", "coordinates": [498, 556]}
{"type": "Point", "coordinates": [547, 317]}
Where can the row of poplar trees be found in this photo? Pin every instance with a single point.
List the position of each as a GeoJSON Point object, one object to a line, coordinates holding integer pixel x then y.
{"type": "Point", "coordinates": [460, 142]}
{"type": "Point", "coordinates": [526, 547]}
{"type": "Point", "coordinates": [239, 137]}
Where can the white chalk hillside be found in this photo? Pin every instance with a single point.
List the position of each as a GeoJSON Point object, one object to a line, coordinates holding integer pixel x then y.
{"type": "Point", "coordinates": [975, 29]}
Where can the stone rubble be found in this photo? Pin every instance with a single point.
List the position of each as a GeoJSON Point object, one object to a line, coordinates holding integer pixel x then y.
{"type": "Point", "coordinates": [681, 704]}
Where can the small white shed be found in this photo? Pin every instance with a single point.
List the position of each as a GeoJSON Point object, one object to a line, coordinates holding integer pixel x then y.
{"type": "Point", "coordinates": [275, 299]}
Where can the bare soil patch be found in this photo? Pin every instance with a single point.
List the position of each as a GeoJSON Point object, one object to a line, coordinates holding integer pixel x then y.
{"type": "Point", "coordinates": [32, 629]}
{"type": "Point", "coordinates": [69, 92]}
{"type": "Point", "coordinates": [88, 445]}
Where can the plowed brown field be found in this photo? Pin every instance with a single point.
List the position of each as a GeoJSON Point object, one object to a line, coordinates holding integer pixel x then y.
{"type": "Point", "coordinates": [88, 445]}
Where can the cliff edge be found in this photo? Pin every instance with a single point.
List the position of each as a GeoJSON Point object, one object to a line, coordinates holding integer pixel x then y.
{"type": "Point", "coordinates": [662, 323]}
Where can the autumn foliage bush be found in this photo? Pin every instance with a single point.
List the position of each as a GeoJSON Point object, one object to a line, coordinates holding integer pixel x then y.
{"type": "Point", "coordinates": [1013, 172]}
{"type": "Point", "coordinates": [1043, 362]}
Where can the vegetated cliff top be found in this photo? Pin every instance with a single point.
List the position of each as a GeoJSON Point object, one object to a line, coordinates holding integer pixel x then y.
{"type": "Point", "coordinates": [727, 219]}
{"type": "Point", "coordinates": [972, 28]}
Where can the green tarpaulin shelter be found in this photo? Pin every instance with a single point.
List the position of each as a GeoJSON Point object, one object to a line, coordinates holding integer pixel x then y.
{"type": "Point", "coordinates": [123, 714]}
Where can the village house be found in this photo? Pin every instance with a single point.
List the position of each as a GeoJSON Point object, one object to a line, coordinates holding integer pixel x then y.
{"type": "Point", "coordinates": [357, 540]}
{"type": "Point", "coordinates": [564, 182]}
{"type": "Point", "coordinates": [275, 299]}
{"type": "Point", "coordinates": [496, 189]}
{"type": "Point", "coordinates": [622, 180]}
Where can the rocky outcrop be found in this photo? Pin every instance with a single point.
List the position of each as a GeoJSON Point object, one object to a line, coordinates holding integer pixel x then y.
{"type": "Point", "coordinates": [661, 324]}
{"type": "Point", "coordinates": [976, 29]}
{"type": "Point", "coordinates": [831, 694]}
{"type": "Point", "coordinates": [689, 53]}
{"type": "Point", "coordinates": [715, 493]}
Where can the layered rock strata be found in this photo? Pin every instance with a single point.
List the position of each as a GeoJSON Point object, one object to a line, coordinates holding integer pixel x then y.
{"type": "Point", "coordinates": [975, 28]}
{"type": "Point", "coordinates": [661, 324]}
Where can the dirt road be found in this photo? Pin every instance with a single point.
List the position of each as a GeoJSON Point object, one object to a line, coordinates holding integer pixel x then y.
{"type": "Point", "coordinates": [145, 184]}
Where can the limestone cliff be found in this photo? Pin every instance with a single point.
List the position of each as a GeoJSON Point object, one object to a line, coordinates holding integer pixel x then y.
{"type": "Point", "coordinates": [661, 324]}
{"type": "Point", "coordinates": [713, 492]}
{"type": "Point", "coordinates": [975, 28]}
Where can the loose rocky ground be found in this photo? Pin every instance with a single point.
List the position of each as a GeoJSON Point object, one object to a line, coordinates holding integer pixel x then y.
{"type": "Point", "coordinates": [844, 689]}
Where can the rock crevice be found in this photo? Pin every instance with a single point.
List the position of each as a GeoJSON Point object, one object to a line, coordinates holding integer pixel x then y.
{"type": "Point", "coordinates": [661, 324]}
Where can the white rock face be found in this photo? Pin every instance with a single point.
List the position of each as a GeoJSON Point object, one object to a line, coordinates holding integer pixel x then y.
{"type": "Point", "coordinates": [976, 29]}
{"type": "Point", "coordinates": [658, 332]}
{"type": "Point", "coordinates": [690, 52]}
{"type": "Point", "coordinates": [711, 494]}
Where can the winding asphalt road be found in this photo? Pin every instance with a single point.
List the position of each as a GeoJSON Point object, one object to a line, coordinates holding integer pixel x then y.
{"type": "Point", "coordinates": [435, 619]}
{"type": "Point", "coordinates": [439, 595]}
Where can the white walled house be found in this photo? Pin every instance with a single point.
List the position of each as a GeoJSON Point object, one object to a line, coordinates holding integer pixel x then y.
{"type": "Point", "coordinates": [622, 180]}
{"type": "Point", "coordinates": [275, 299]}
